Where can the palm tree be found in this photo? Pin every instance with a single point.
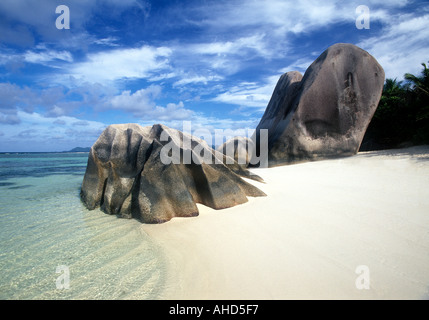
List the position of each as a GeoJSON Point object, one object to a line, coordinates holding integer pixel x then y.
{"type": "Point", "coordinates": [420, 102]}
{"type": "Point", "coordinates": [392, 87]}
{"type": "Point", "coordinates": [402, 115]}
{"type": "Point", "coordinates": [421, 83]}
{"type": "Point", "coordinates": [392, 100]}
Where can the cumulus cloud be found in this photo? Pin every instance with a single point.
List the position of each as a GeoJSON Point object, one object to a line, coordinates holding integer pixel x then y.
{"type": "Point", "coordinates": [13, 97]}
{"type": "Point", "coordinates": [53, 100]}
{"type": "Point", "coordinates": [125, 63]}
{"type": "Point", "coordinates": [233, 54]}
{"type": "Point", "coordinates": [259, 31]}
{"type": "Point", "coordinates": [55, 103]}
{"type": "Point", "coordinates": [172, 111]}
{"type": "Point", "coordinates": [37, 132]}
{"type": "Point", "coordinates": [138, 102]}
{"type": "Point", "coordinates": [142, 104]}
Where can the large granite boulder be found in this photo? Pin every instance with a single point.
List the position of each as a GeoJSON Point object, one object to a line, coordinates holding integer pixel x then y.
{"type": "Point", "coordinates": [326, 113]}
{"type": "Point", "coordinates": [157, 173]}
{"type": "Point", "coordinates": [278, 112]}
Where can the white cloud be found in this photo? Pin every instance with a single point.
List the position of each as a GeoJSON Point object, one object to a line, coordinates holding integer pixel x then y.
{"type": "Point", "coordinates": [17, 102]}
{"type": "Point", "coordinates": [171, 112]}
{"type": "Point", "coordinates": [138, 102]}
{"type": "Point", "coordinates": [237, 46]}
{"type": "Point", "coordinates": [109, 41]}
{"type": "Point", "coordinates": [244, 33]}
{"type": "Point", "coordinates": [402, 47]}
{"type": "Point", "coordinates": [36, 132]}
{"type": "Point", "coordinates": [54, 101]}
{"type": "Point", "coordinates": [275, 17]}
{"type": "Point", "coordinates": [242, 44]}
{"type": "Point", "coordinates": [203, 63]}
{"type": "Point", "coordinates": [40, 54]}
{"type": "Point", "coordinates": [247, 94]}
{"type": "Point", "coordinates": [117, 64]}
{"type": "Point", "coordinates": [47, 56]}
{"type": "Point", "coordinates": [142, 105]}
{"type": "Point", "coordinates": [223, 57]}
{"type": "Point", "coordinates": [6, 58]}
{"type": "Point", "coordinates": [279, 17]}
{"type": "Point", "coordinates": [196, 79]}
{"type": "Point", "coordinates": [300, 65]}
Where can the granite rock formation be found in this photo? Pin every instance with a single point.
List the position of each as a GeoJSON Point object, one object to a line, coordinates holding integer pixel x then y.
{"type": "Point", "coordinates": [325, 113]}
{"type": "Point", "coordinates": [156, 173]}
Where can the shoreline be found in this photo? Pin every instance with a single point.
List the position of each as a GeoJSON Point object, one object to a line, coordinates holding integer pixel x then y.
{"type": "Point", "coordinates": [318, 224]}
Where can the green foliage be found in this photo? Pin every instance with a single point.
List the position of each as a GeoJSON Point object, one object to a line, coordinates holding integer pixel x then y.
{"type": "Point", "coordinates": [402, 116]}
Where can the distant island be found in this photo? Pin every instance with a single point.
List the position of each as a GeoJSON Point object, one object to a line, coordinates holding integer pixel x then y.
{"type": "Point", "coordinates": [79, 149]}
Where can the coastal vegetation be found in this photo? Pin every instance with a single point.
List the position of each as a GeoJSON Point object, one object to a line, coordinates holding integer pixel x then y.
{"type": "Point", "coordinates": [402, 116]}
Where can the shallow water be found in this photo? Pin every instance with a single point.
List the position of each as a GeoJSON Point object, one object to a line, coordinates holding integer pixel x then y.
{"type": "Point", "coordinates": [44, 226]}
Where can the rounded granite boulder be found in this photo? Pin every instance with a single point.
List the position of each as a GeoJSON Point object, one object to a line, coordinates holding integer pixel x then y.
{"type": "Point", "coordinates": [326, 113]}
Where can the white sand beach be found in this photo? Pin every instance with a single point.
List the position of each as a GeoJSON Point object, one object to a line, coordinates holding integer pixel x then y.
{"type": "Point", "coordinates": [318, 223]}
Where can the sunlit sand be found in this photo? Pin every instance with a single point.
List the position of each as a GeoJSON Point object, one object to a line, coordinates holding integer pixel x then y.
{"type": "Point", "coordinates": [320, 223]}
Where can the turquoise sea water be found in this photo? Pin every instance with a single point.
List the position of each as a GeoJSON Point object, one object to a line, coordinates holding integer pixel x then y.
{"type": "Point", "coordinates": [45, 229]}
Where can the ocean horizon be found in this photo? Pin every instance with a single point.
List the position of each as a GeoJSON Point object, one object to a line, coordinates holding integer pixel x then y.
{"type": "Point", "coordinates": [52, 247]}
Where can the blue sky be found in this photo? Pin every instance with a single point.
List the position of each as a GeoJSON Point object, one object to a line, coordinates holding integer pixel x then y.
{"type": "Point", "coordinates": [214, 63]}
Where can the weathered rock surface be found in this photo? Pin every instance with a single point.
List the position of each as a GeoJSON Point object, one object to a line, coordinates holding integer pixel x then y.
{"type": "Point", "coordinates": [326, 113]}
{"type": "Point", "coordinates": [156, 173]}
{"type": "Point", "coordinates": [279, 109]}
